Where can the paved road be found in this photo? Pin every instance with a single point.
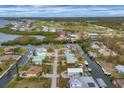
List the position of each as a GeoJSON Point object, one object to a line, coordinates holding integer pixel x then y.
{"type": "Point", "coordinates": [96, 69]}
{"type": "Point", "coordinates": [54, 76]}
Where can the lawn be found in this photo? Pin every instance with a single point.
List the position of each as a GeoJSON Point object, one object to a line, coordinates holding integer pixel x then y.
{"type": "Point", "coordinates": [30, 83]}
{"type": "Point", "coordinates": [46, 68]}
{"type": "Point", "coordinates": [63, 68]}
{"type": "Point", "coordinates": [49, 59]}
{"type": "Point", "coordinates": [4, 66]}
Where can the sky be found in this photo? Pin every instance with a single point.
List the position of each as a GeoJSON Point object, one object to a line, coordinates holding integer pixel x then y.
{"type": "Point", "coordinates": [61, 11]}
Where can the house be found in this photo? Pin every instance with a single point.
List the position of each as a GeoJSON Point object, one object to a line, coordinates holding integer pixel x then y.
{"type": "Point", "coordinates": [74, 71]}
{"type": "Point", "coordinates": [52, 29]}
{"type": "Point", "coordinates": [45, 28]}
{"type": "Point", "coordinates": [14, 28]}
{"type": "Point", "coordinates": [72, 36]}
{"type": "Point", "coordinates": [40, 51]}
{"type": "Point", "coordinates": [82, 82]}
{"type": "Point", "coordinates": [39, 56]}
{"type": "Point", "coordinates": [37, 60]}
{"type": "Point", "coordinates": [93, 36]}
{"type": "Point", "coordinates": [69, 46]}
{"type": "Point", "coordinates": [34, 71]}
{"type": "Point", "coordinates": [94, 46]}
{"type": "Point", "coordinates": [92, 54]}
{"type": "Point", "coordinates": [70, 58]}
{"type": "Point", "coordinates": [104, 52]}
{"type": "Point", "coordinates": [120, 68]}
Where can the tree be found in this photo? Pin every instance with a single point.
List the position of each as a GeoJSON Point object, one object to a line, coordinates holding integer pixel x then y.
{"type": "Point", "coordinates": [1, 69]}
{"type": "Point", "coordinates": [121, 60]}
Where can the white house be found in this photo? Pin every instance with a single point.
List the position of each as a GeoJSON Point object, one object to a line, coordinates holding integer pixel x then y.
{"type": "Point", "coordinates": [120, 68]}
{"type": "Point", "coordinates": [74, 71]}
{"type": "Point", "coordinates": [93, 36]}
{"type": "Point", "coordinates": [82, 82]}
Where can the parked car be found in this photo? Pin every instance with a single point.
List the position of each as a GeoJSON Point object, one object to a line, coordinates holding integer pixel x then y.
{"type": "Point", "coordinates": [89, 69]}
{"type": "Point", "coordinates": [86, 63]}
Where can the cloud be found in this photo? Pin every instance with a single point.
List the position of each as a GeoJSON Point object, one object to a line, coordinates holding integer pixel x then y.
{"type": "Point", "coordinates": [61, 11]}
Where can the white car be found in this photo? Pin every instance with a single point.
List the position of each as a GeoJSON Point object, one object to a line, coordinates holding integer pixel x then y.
{"type": "Point", "coordinates": [86, 63]}
{"type": "Point", "coordinates": [89, 69]}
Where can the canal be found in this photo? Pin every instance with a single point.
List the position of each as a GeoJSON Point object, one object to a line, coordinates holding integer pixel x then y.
{"type": "Point", "coordinates": [6, 78]}
{"type": "Point", "coordinates": [96, 69]}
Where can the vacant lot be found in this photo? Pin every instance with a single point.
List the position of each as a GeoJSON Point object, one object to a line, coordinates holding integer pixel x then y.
{"type": "Point", "coordinates": [31, 83]}
{"type": "Point", "coordinates": [62, 82]}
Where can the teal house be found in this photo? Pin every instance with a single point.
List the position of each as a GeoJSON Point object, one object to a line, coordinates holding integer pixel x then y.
{"type": "Point", "coordinates": [40, 54]}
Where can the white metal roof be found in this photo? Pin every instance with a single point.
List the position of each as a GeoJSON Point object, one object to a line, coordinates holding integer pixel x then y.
{"type": "Point", "coordinates": [120, 68]}
{"type": "Point", "coordinates": [82, 82]}
{"type": "Point", "coordinates": [75, 70]}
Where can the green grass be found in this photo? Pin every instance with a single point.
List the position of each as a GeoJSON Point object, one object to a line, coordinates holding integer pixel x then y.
{"type": "Point", "coordinates": [5, 65]}
{"type": "Point", "coordinates": [23, 40]}
{"type": "Point", "coordinates": [46, 68]}
{"type": "Point", "coordinates": [31, 83]}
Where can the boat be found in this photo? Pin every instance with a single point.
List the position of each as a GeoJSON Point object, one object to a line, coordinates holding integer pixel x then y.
{"type": "Point", "coordinates": [105, 72]}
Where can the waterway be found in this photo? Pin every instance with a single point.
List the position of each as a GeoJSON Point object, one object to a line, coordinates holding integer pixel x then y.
{"type": "Point", "coordinates": [5, 37]}
{"type": "Point", "coordinates": [96, 69]}
{"type": "Point", "coordinates": [5, 22]}
{"type": "Point", "coordinates": [6, 78]}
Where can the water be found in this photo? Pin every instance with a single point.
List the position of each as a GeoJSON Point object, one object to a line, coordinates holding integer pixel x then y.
{"type": "Point", "coordinates": [12, 72]}
{"type": "Point", "coordinates": [5, 37]}
{"type": "Point", "coordinates": [5, 22]}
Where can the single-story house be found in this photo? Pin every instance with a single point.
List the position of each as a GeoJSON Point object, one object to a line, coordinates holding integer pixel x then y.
{"type": "Point", "coordinates": [52, 29]}
{"type": "Point", "coordinates": [74, 71]}
{"type": "Point", "coordinates": [93, 36]}
{"type": "Point", "coordinates": [94, 46]}
{"type": "Point", "coordinates": [120, 68]}
{"type": "Point", "coordinates": [40, 51]}
{"type": "Point", "coordinates": [70, 58]}
{"type": "Point", "coordinates": [82, 82]}
{"type": "Point", "coordinates": [37, 60]}
{"type": "Point", "coordinates": [40, 54]}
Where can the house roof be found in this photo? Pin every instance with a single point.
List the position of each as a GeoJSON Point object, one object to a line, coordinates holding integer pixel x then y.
{"type": "Point", "coordinates": [74, 70]}
{"type": "Point", "coordinates": [120, 68]}
{"type": "Point", "coordinates": [34, 70]}
{"type": "Point", "coordinates": [82, 82]}
{"type": "Point", "coordinates": [70, 57]}
{"type": "Point", "coordinates": [37, 58]}
{"type": "Point", "coordinates": [93, 34]}
{"type": "Point", "coordinates": [94, 46]}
